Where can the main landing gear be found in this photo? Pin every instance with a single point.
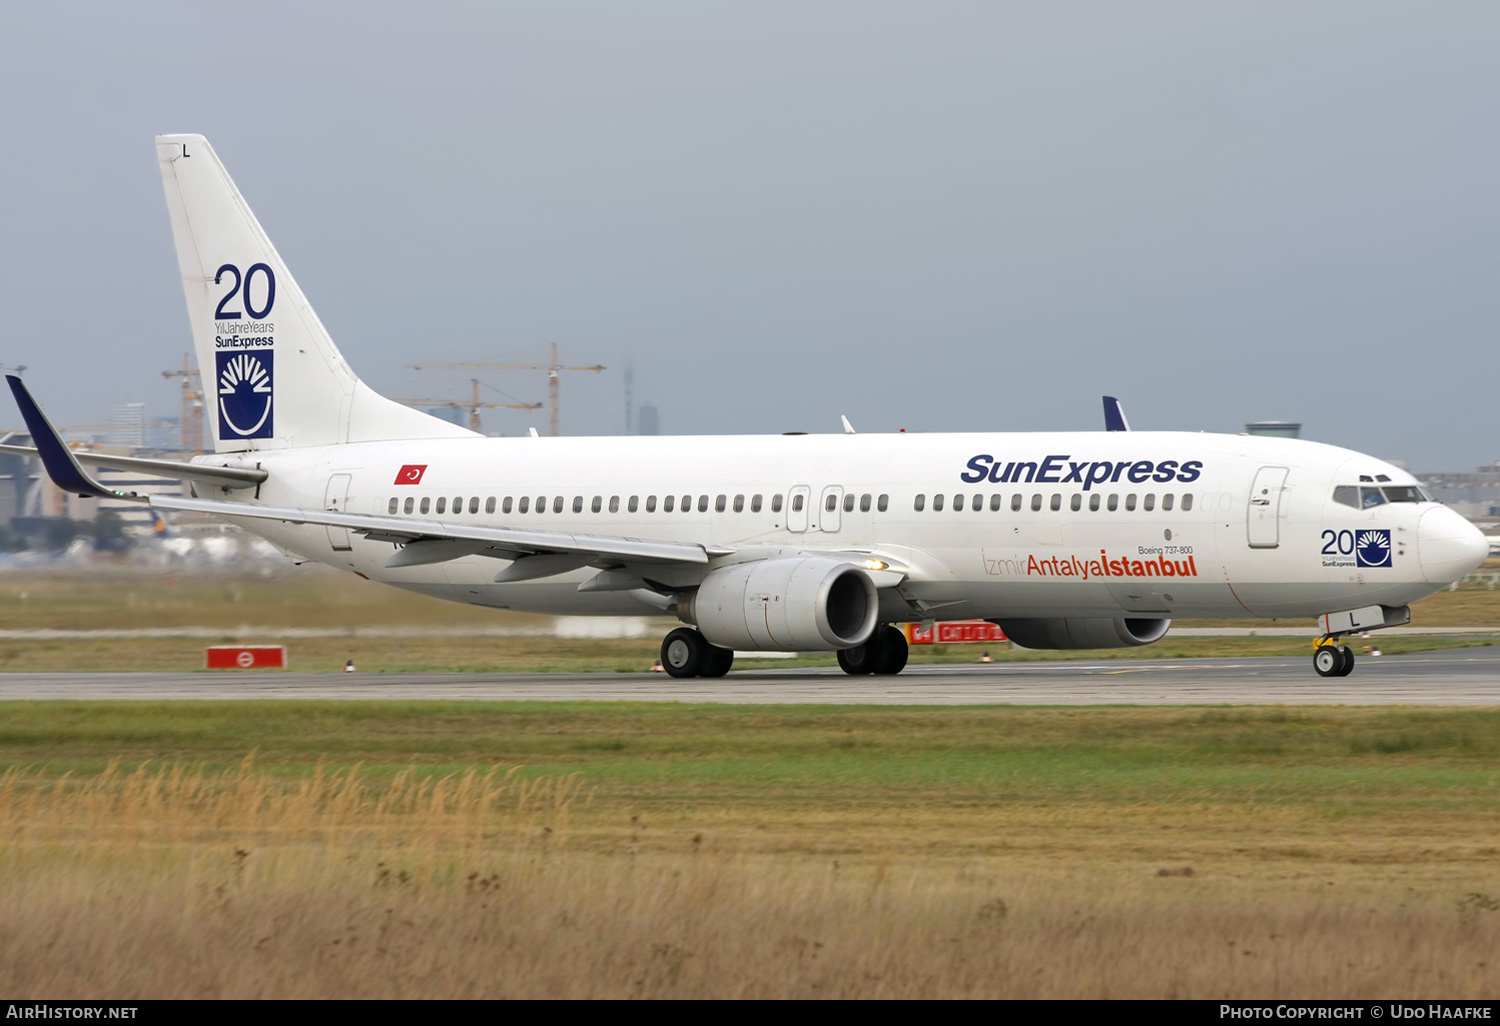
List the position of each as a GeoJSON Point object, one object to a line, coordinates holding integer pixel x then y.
{"type": "Point", "coordinates": [1333, 660]}
{"type": "Point", "coordinates": [883, 653]}
{"type": "Point", "coordinates": [686, 653]}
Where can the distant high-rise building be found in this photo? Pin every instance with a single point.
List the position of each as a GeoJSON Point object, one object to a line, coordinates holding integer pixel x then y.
{"type": "Point", "coordinates": [127, 425]}
{"type": "Point", "coordinates": [1274, 429]}
{"type": "Point", "coordinates": [647, 416]}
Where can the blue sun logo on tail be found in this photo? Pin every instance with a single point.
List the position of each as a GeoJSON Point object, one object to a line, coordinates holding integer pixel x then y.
{"type": "Point", "coordinates": [245, 394]}
{"type": "Point", "coordinates": [1373, 548]}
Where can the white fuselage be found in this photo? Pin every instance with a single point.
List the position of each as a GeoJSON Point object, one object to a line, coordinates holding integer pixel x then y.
{"type": "Point", "coordinates": [1099, 524]}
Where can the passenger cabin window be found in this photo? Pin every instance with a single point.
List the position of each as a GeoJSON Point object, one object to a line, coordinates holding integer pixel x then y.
{"type": "Point", "coordinates": [505, 507]}
{"type": "Point", "coordinates": [776, 503]}
{"type": "Point", "coordinates": [1166, 502]}
{"type": "Point", "coordinates": [1187, 502]}
{"type": "Point", "coordinates": [668, 503]}
{"type": "Point", "coordinates": [426, 504]}
{"type": "Point", "coordinates": [614, 504]}
{"type": "Point", "coordinates": [882, 503]}
{"type": "Point", "coordinates": [1094, 503]}
{"type": "Point", "coordinates": [832, 503]}
{"type": "Point", "coordinates": [1015, 502]}
{"type": "Point", "coordinates": [1150, 502]}
{"type": "Point", "coordinates": [1114, 501]}
{"type": "Point", "coordinates": [1036, 503]}
{"type": "Point", "coordinates": [703, 504]}
{"type": "Point", "coordinates": [578, 504]}
{"type": "Point", "coordinates": [1368, 498]}
{"type": "Point", "coordinates": [977, 503]}
{"type": "Point", "coordinates": [849, 502]}
{"type": "Point", "coordinates": [635, 503]}
{"type": "Point", "coordinates": [755, 503]}
{"type": "Point", "coordinates": [1076, 502]}
{"type": "Point", "coordinates": [597, 506]}
{"type": "Point", "coordinates": [996, 501]}
{"type": "Point", "coordinates": [721, 503]}
{"type": "Point", "coordinates": [937, 503]}
{"type": "Point", "coordinates": [395, 504]}
{"type": "Point", "coordinates": [557, 504]}
{"type": "Point", "coordinates": [1130, 501]}
{"type": "Point", "coordinates": [525, 503]}
{"type": "Point", "coordinates": [919, 503]}
{"type": "Point", "coordinates": [1056, 502]}
{"type": "Point", "coordinates": [650, 504]}
{"type": "Point", "coordinates": [407, 506]}
{"type": "Point", "coordinates": [458, 504]}
{"type": "Point", "coordinates": [489, 504]}
{"type": "Point", "coordinates": [687, 503]}
{"type": "Point", "coordinates": [739, 504]}
{"type": "Point", "coordinates": [442, 503]}
{"type": "Point", "coordinates": [796, 503]}
{"type": "Point", "coordinates": [474, 504]}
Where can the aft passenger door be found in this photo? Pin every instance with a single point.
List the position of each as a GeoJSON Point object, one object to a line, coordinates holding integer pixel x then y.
{"type": "Point", "coordinates": [336, 500]}
{"type": "Point", "coordinates": [1263, 524]}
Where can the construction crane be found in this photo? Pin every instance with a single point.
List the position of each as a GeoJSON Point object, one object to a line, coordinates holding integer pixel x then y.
{"type": "Point", "coordinates": [552, 370]}
{"type": "Point", "coordinates": [192, 404]}
{"type": "Point", "coordinates": [472, 405]}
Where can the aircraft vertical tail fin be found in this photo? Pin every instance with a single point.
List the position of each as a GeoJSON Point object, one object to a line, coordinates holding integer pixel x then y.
{"type": "Point", "coordinates": [272, 377]}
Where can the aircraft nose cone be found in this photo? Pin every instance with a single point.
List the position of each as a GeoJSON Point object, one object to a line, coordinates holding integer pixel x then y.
{"type": "Point", "coordinates": [1448, 545]}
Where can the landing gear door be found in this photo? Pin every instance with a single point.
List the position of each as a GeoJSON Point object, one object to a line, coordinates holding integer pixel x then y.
{"type": "Point", "coordinates": [796, 508]}
{"type": "Point", "coordinates": [1264, 514]}
{"type": "Point", "coordinates": [336, 500]}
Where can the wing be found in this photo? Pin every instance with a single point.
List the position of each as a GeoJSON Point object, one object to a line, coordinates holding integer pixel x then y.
{"type": "Point", "coordinates": [434, 541]}
{"type": "Point", "coordinates": [65, 466]}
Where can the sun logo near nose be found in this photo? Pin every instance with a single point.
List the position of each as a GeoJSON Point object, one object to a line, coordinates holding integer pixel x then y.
{"type": "Point", "coordinates": [245, 394]}
{"type": "Point", "coordinates": [1373, 548]}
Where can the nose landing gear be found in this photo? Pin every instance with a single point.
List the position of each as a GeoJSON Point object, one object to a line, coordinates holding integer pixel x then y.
{"type": "Point", "coordinates": [1332, 660]}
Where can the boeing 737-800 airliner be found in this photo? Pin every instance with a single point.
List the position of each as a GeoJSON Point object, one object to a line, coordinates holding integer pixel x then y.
{"type": "Point", "coordinates": [789, 542]}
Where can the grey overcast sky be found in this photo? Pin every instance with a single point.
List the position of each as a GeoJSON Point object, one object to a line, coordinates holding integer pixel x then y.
{"type": "Point", "coordinates": [934, 216]}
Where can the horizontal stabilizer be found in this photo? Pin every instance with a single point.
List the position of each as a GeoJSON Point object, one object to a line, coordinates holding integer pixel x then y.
{"type": "Point", "coordinates": [219, 477]}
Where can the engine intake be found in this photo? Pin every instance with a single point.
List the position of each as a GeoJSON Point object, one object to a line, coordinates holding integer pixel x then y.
{"type": "Point", "coordinates": [1084, 632]}
{"type": "Point", "coordinates": [784, 605]}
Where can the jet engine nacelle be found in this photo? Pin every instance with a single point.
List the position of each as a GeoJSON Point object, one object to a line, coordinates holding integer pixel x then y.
{"type": "Point", "coordinates": [1084, 632]}
{"type": "Point", "coordinates": [785, 605]}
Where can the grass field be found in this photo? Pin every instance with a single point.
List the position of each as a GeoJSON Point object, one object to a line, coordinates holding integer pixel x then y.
{"type": "Point", "coordinates": [445, 849]}
{"type": "Point", "coordinates": [425, 849]}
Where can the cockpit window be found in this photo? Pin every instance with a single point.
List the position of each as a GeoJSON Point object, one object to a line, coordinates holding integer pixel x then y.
{"type": "Point", "coordinates": [1369, 497]}
{"type": "Point", "coordinates": [1347, 494]}
{"type": "Point", "coordinates": [1403, 493]}
{"type": "Point", "coordinates": [1382, 478]}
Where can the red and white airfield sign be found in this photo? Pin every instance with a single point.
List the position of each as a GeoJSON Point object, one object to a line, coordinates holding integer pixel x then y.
{"type": "Point", "coordinates": [246, 657]}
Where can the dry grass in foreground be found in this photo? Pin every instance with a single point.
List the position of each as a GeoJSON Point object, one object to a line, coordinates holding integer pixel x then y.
{"type": "Point", "coordinates": [177, 883]}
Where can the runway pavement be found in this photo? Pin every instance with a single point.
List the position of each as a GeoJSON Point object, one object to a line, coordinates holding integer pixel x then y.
{"type": "Point", "coordinates": [1451, 677]}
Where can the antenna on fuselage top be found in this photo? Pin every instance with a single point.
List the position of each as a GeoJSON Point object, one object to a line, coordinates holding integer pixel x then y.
{"type": "Point", "coordinates": [1114, 417]}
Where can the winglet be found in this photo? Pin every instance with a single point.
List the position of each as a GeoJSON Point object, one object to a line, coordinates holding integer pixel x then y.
{"type": "Point", "coordinates": [64, 470]}
{"type": "Point", "coordinates": [1114, 417]}
{"type": "Point", "coordinates": [848, 427]}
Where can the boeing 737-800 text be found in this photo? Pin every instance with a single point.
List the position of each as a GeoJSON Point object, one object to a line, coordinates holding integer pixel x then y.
{"type": "Point", "coordinates": [787, 542]}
